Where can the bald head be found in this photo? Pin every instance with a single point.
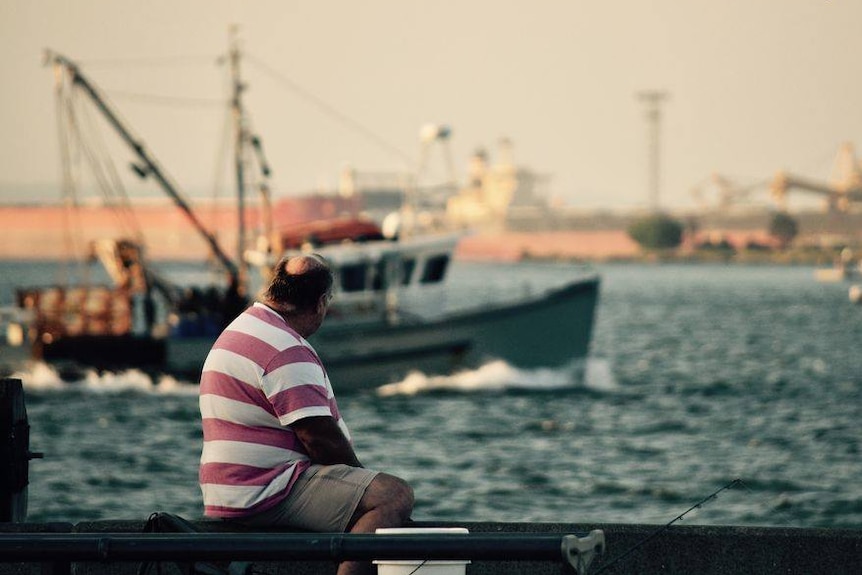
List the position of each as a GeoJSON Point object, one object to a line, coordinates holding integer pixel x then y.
{"type": "Point", "coordinates": [299, 265]}
{"type": "Point", "coordinates": [298, 283]}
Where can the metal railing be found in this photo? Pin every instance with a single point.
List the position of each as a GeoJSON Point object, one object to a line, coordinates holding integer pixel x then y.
{"type": "Point", "coordinates": [57, 551]}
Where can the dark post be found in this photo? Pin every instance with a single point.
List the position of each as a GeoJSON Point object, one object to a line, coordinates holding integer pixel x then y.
{"type": "Point", "coordinates": [14, 452]}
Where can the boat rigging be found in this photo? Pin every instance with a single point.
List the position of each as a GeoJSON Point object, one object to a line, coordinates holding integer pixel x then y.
{"type": "Point", "coordinates": [64, 67]}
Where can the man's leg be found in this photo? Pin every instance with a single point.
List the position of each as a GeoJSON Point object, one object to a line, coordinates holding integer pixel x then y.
{"type": "Point", "coordinates": [387, 502]}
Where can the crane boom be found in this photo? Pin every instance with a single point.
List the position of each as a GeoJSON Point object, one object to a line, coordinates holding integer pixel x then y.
{"type": "Point", "coordinates": [782, 182]}
{"type": "Point", "coordinates": [151, 166]}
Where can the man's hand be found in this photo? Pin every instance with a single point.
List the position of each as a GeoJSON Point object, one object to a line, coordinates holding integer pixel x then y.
{"type": "Point", "coordinates": [324, 441]}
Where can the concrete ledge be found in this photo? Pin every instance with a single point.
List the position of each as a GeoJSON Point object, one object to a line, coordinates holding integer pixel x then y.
{"type": "Point", "coordinates": [719, 550]}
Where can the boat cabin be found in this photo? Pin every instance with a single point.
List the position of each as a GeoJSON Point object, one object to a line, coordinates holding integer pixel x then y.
{"type": "Point", "coordinates": [380, 277]}
{"type": "Point", "coordinates": [374, 273]}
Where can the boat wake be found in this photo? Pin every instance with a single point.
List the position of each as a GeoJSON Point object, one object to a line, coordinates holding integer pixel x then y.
{"type": "Point", "coordinates": [39, 376]}
{"type": "Point", "coordinates": [592, 374]}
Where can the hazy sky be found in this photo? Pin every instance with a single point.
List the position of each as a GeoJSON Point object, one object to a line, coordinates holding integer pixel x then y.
{"type": "Point", "coordinates": [754, 86]}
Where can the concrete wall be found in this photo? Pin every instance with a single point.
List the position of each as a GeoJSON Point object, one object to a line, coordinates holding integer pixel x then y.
{"type": "Point", "coordinates": [702, 550]}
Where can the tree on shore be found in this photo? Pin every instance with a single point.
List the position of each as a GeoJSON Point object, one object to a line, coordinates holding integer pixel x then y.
{"type": "Point", "coordinates": [656, 231]}
{"type": "Point", "coordinates": [784, 228]}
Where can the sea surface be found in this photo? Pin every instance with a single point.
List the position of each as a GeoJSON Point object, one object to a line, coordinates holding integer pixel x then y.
{"type": "Point", "coordinates": [699, 375]}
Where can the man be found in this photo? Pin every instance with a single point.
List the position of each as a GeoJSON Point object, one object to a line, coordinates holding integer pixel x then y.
{"type": "Point", "coordinates": [276, 451]}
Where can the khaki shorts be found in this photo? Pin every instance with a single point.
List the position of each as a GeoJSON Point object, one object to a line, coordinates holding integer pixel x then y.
{"type": "Point", "coordinates": [323, 499]}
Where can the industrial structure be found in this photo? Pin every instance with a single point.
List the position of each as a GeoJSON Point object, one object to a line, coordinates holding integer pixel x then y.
{"type": "Point", "coordinates": [844, 187]}
{"type": "Point", "coordinates": [720, 192]}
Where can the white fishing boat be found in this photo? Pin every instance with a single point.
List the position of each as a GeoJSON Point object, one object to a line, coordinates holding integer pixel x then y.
{"type": "Point", "coordinates": [387, 316]}
{"type": "Point", "coordinates": [391, 316]}
{"type": "Point", "coordinates": [844, 269]}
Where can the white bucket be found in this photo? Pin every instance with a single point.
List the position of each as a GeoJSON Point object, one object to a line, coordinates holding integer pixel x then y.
{"type": "Point", "coordinates": [419, 566]}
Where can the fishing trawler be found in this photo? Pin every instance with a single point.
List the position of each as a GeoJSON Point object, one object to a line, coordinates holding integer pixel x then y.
{"type": "Point", "coordinates": [387, 317]}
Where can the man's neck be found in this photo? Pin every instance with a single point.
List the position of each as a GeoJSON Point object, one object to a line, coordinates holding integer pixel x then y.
{"type": "Point", "coordinates": [296, 320]}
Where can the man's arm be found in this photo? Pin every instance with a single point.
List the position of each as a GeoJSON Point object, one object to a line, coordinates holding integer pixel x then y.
{"type": "Point", "coordinates": [324, 441]}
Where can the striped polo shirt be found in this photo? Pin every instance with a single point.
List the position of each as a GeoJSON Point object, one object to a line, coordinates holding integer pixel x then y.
{"type": "Point", "coordinates": [258, 379]}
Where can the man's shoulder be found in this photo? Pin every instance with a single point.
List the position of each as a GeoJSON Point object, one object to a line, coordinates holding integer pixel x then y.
{"type": "Point", "coordinates": [263, 324]}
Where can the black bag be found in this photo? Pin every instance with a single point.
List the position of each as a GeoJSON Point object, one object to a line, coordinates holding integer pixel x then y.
{"type": "Point", "coordinates": [161, 522]}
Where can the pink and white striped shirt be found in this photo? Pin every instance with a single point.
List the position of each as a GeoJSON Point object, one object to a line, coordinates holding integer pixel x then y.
{"type": "Point", "coordinates": [258, 379]}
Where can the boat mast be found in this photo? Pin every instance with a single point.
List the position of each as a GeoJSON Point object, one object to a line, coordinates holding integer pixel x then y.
{"type": "Point", "coordinates": [248, 155]}
{"type": "Point", "coordinates": [240, 139]}
{"type": "Point", "coordinates": [151, 166]}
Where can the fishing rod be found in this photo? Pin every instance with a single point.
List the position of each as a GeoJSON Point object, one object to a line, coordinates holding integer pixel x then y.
{"type": "Point", "coordinates": [667, 525]}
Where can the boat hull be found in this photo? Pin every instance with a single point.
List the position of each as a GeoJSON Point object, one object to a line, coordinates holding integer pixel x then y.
{"type": "Point", "coordinates": [553, 330]}
{"type": "Point", "coordinates": [550, 330]}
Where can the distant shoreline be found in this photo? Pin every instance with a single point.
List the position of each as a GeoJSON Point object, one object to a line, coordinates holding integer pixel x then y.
{"type": "Point", "coordinates": [607, 246]}
{"type": "Point", "coordinates": [38, 233]}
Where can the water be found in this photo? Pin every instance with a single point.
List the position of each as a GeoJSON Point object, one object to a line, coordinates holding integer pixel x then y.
{"type": "Point", "coordinates": [699, 375]}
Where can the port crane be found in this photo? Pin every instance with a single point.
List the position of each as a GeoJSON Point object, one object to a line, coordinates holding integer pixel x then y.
{"type": "Point", "coordinates": [844, 188]}
{"type": "Point", "coordinates": [721, 192]}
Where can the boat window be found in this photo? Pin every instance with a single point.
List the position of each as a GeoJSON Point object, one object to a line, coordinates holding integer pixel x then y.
{"type": "Point", "coordinates": [407, 267]}
{"type": "Point", "coordinates": [435, 269]}
{"type": "Point", "coordinates": [352, 277]}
